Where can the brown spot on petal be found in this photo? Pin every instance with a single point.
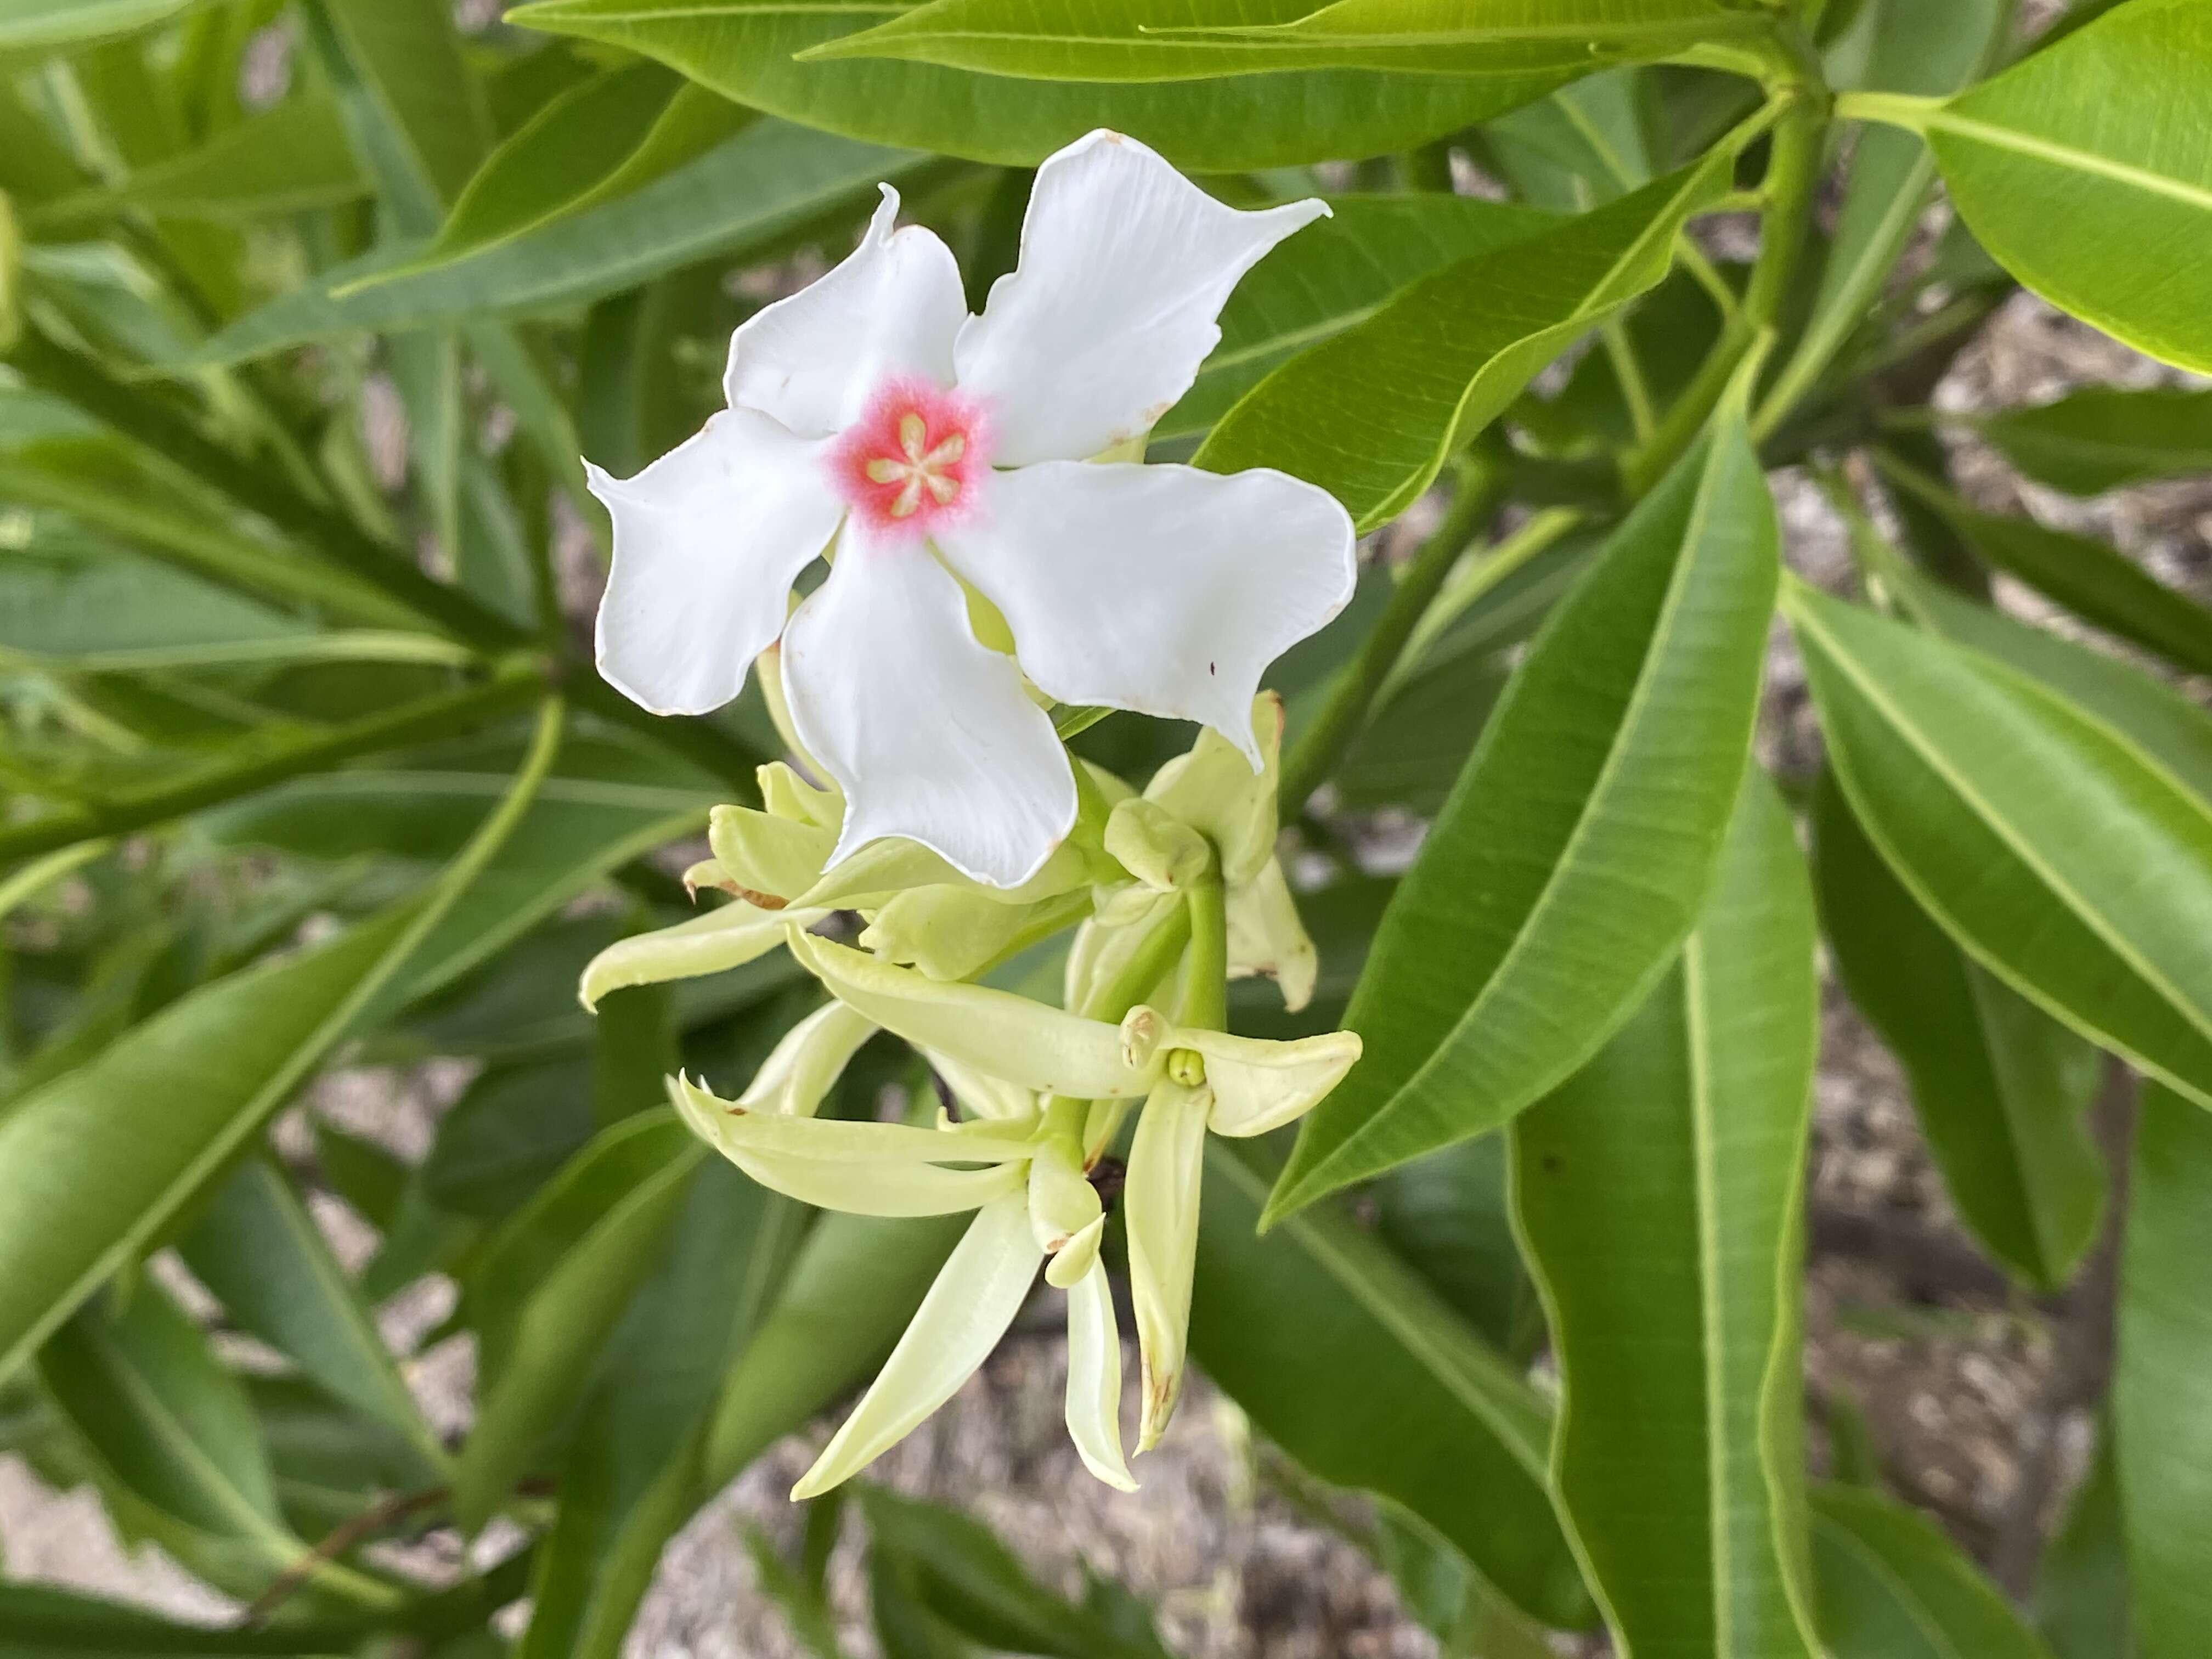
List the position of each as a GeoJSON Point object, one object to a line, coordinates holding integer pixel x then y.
{"type": "Point", "coordinates": [759, 901]}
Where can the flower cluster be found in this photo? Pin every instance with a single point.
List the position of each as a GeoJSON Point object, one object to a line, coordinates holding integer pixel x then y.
{"type": "Point", "coordinates": [996, 548]}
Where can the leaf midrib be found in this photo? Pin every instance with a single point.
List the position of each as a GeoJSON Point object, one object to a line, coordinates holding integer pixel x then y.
{"type": "Point", "coordinates": [2017, 142]}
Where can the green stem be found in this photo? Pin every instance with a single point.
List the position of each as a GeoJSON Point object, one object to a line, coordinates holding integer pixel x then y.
{"type": "Point", "coordinates": [1793, 178]}
{"type": "Point", "coordinates": [1893, 109]}
{"type": "Point", "coordinates": [1206, 969]}
{"type": "Point", "coordinates": [1470, 581]}
{"type": "Point", "coordinates": [1352, 699]}
{"type": "Point", "coordinates": [517, 683]}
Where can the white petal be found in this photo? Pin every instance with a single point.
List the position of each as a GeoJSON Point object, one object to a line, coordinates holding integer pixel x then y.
{"type": "Point", "coordinates": [1162, 589]}
{"type": "Point", "coordinates": [1159, 1202]}
{"type": "Point", "coordinates": [706, 541]}
{"type": "Point", "coordinates": [729, 937]}
{"type": "Point", "coordinates": [1094, 1378]}
{"type": "Point", "coordinates": [1101, 327]}
{"type": "Point", "coordinates": [892, 308]}
{"type": "Point", "coordinates": [1043, 1048]}
{"type": "Point", "coordinates": [930, 734]}
{"type": "Point", "coordinates": [802, 1068]}
{"type": "Point", "coordinates": [976, 1295]}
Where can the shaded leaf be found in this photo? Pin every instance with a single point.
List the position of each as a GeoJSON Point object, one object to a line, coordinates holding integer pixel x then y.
{"type": "Point", "coordinates": [1893, 1586]}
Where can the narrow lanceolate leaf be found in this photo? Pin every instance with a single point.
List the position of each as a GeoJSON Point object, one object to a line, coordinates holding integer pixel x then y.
{"type": "Point", "coordinates": [1999, 1085]}
{"type": "Point", "coordinates": [261, 1253]}
{"type": "Point", "coordinates": [2104, 437]}
{"type": "Point", "coordinates": [430, 107]}
{"type": "Point", "coordinates": [1335, 273]}
{"type": "Point", "coordinates": [1893, 1586]}
{"type": "Point", "coordinates": [44, 25]}
{"type": "Point", "coordinates": [1176, 40]}
{"type": "Point", "coordinates": [2092, 148]}
{"type": "Point", "coordinates": [1440, 361]}
{"type": "Point", "coordinates": [1427, 1416]}
{"type": "Point", "coordinates": [748, 51]}
{"type": "Point", "coordinates": [1932, 50]}
{"type": "Point", "coordinates": [553, 1283]}
{"type": "Point", "coordinates": [97, 1163]}
{"type": "Point", "coordinates": [2162, 1392]}
{"type": "Point", "coordinates": [2092, 580]}
{"type": "Point", "coordinates": [764, 182]}
{"type": "Point", "coordinates": [2053, 849]}
{"type": "Point", "coordinates": [1660, 1199]}
{"type": "Point", "coordinates": [1571, 860]}
{"type": "Point", "coordinates": [293, 156]}
{"type": "Point", "coordinates": [601, 140]}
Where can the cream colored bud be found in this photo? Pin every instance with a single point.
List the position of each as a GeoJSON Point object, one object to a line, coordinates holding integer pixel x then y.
{"type": "Point", "coordinates": [1157, 847]}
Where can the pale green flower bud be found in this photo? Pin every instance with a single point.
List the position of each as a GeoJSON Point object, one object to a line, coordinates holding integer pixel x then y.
{"type": "Point", "coordinates": [1062, 1203]}
{"type": "Point", "coordinates": [1159, 1206]}
{"type": "Point", "coordinates": [723, 938]}
{"type": "Point", "coordinates": [770, 857]}
{"type": "Point", "coordinates": [1266, 937]}
{"type": "Point", "coordinates": [1044, 1049]}
{"type": "Point", "coordinates": [768, 668]}
{"type": "Point", "coordinates": [785, 795]}
{"type": "Point", "coordinates": [1214, 790]}
{"type": "Point", "coordinates": [1258, 1085]}
{"type": "Point", "coordinates": [953, 933]}
{"type": "Point", "coordinates": [708, 873]}
{"type": "Point", "coordinates": [1094, 1372]}
{"type": "Point", "coordinates": [1159, 849]}
{"type": "Point", "coordinates": [801, 1070]}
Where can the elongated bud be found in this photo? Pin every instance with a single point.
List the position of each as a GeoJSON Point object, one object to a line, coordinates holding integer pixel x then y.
{"type": "Point", "coordinates": [723, 938]}
{"type": "Point", "coordinates": [1063, 1204]}
{"type": "Point", "coordinates": [768, 668]}
{"type": "Point", "coordinates": [1160, 1205]}
{"type": "Point", "coordinates": [951, 932]}
{"type": "Point", "coordinates": [1094, 1373]}
{"type": "Point", "coordinates": [1042, 1048]}
{"type": "Point", "coordinates": [785, 795]}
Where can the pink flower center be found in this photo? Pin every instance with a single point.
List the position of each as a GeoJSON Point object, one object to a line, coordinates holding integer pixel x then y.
{"type": "Point", "coordinates": [915, 460]}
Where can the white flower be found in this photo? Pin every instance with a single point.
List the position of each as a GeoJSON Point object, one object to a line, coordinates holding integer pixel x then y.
{"type": "Point", "coordinates": [941, 453]}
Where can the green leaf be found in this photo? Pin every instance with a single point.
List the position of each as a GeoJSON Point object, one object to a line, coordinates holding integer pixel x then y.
{"type": "Point", "coordinates": [1659, 1196]}
{"type": "Point", "coordinates": [632, 1473]}
{"type": "Point", "coordinates": [1999, 1087]}
{"type": "Point", "coordinates": [508, 1134]}
{"type": "Point", "coordinates": [763, 183]}
{"type": "Point", "coordinates": [746, 50]}
{"type": "Point", "coordinates": [2053, 849]}
{"type": "Point", "coordinates": [2088, 578]}
{"type": "Point", "coordinates": [1526, 41]}
{"type": "Point", "coordinates": [1405, 388]}
{"type": "Point", "coordinates": [1916, 49]}
{"type": "Point", "coordinates": [2106, 437]}
{"type": "Point", "coordinates": [2082, 172]}
{"type": "Point", "coordinates": [2162, 1389]}
{"type": "Point", "coordinates": [283, 160]}
{"type": "Point", "coordinates": [430, 110]}
{"type": "Point", "coordinates": [40, 1621]}
{"type": "Point", "coordinates": [174, 1437]}
{"type": "Point", "coordinates": [1344, 1357]}
{"type": "Point", "coordinates": [856, 1282]}
{"type": "Point", "coordinates": [42, 25]}
{"type": "Point", "coordinates": [1569, 862]}
{"type": "Point", "coordinates": [1447, 1217]}
{"type": "Point", "coordinates": [551, 1284]}
{"type": "Point", "coordinates": [2164, 724]}
{"type": "Point", "coordinates": [96, 1163]}
{"type": "Point", "coordinates": [2081, 1584]}
{"type": "Point", "coordinates": [963, 1573]}
{"type": "Point", "coordinates": [1332, 276]}
{"type": "Point", "coordinates": [597, 142]}
{"type": "Point", "coordinates": [1894, 1587]}
{"type": "Point", "coordinates": [257, 1248]}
